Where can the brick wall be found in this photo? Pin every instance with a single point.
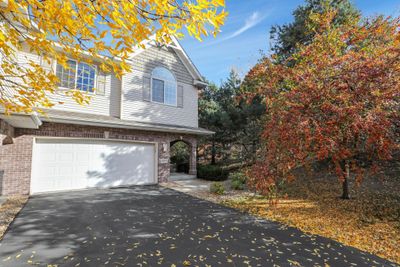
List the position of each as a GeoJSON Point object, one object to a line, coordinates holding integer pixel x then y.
{"type": "Point", "coordinates": [6, 129]}
{"type": "Point", "coordinates": [16, 158]}
{"type": "Point", "coordinates": [15, 166]}
{"type": "Point", "coordinates": [15, 161]}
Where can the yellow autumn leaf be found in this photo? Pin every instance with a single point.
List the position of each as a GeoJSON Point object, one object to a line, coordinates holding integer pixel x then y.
{"type": "Point", "coordinates": [70, 25]}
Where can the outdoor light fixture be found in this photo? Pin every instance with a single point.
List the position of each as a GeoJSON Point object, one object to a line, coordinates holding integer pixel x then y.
{"type": "Point", "coordinates": [164, 147]}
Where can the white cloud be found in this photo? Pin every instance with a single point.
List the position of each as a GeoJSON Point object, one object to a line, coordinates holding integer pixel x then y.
{"type": "Point", "coordinates": [250, 22]}
{"type": "Point", "coordinates": [253, 20]}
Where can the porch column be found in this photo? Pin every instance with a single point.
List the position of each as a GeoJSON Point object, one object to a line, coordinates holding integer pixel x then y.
{"type": "Point", "coordinates": [193, 158]}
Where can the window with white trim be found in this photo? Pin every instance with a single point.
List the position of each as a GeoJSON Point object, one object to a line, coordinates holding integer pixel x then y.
{"type": "Point", "coordinates": [163, 86]}
{"type": "Point", "coordinates": [81, 76]}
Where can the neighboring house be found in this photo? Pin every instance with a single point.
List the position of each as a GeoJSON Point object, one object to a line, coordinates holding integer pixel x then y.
{"type": "Point", "coordinates": [122, 137]}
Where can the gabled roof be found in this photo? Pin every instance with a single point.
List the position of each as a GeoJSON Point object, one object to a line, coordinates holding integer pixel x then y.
{"type": "Point", "coordinates": [183, 56]}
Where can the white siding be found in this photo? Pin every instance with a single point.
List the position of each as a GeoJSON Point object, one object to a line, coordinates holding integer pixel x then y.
{"type": "Point", "coordinates": [107, 104]}
{"type": "Point", "coordinates": [128, 104]}
{"type": "Point", "coordinates": [6, 86]}
{"type": "Point", "coordinates": [115, 95]}
{"type": "Point", "coordinates": [133, 106]}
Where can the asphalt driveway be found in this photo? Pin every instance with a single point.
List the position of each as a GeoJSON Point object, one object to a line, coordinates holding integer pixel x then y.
{"type": "Point", "coordinates": [155, 226]}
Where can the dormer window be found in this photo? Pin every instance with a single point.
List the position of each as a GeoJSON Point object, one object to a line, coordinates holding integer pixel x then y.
{"type": "Point", "coordinates": [79, 76]}
{"type": "Point", "coordinates": [163, 86]}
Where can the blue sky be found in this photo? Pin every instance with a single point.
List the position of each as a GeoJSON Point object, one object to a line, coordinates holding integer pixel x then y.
{"type": "Point", "coordinates": [246, 33]}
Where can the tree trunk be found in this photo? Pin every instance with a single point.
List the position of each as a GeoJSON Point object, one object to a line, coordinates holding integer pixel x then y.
{"type": "Point", "coordinates": [225, 149]}
{"type": "Point", "coordinates": [345, 183]}
{"type": "Point", "coordinates": [213, 152]}
{"type": "Point", "coordinates": [254, 148]}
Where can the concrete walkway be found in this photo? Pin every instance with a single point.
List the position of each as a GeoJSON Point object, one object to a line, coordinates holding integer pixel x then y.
{"type": "Point", "coordinates": [190, 186]}
{"type": "Point", "coordinates": [181, 176]}
{"type": "Point", "coordinates": [155, 226]}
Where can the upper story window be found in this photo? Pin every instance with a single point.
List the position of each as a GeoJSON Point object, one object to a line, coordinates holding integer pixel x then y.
{"type": "Point", "coordinates": [163, 86]}
{"type": "Point", "coordinates": [79, 76]}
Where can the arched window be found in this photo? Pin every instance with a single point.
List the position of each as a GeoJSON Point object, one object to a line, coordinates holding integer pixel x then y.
{"type": "Point", "coordinates": [163, 86]}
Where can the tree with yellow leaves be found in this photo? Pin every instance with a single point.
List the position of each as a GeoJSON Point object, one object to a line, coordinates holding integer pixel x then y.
{"type": "Point", "coordinates": [105, 31]}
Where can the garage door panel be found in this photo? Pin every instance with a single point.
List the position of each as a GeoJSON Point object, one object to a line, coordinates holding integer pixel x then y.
{"type": "Point", "coordinates": [48, 156]}
{"type": "Point", "coordinates": [82, 157]}
{"type": "Point", "coordinates": [77, 164]}
{"type": "Point", "coordinates": [117, 168]}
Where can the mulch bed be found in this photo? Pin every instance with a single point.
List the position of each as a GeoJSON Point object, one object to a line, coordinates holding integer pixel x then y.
{"type": "Point", "coordinates": [8, 210]}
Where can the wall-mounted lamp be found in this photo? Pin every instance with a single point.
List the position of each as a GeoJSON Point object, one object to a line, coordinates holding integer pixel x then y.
{"type": "Point", "coordinates": [164, 147]}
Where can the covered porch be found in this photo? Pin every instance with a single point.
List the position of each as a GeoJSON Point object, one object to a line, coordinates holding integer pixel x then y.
{"type": "Point", "coordinates": [183, 159]}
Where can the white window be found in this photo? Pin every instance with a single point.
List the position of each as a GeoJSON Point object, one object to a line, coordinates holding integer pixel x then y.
{"type": "Point", "coordinates": [66, 76]}
{"type": "Point", "coordinates": [163, 86]}
{"type": "Point", "coordinates": [79, 76]}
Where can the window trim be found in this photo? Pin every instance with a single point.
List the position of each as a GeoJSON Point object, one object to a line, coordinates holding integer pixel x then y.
{"type": "Point", "coordinates": [151, 91]}
{"type": "Point", "coordinates": [76, 76]}
{"type": "Point", "coordinates": [165, 81]}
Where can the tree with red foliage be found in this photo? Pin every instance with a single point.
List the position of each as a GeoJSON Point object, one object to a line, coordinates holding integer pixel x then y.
{"type": "Point", "coordinates": [340, 101]}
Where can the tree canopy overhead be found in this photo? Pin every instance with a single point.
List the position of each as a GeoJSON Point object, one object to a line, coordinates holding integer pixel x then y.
{"type": "Point", "coordinates": [103, 31]}
{"type": "Point", "coordinates": [288, 37]}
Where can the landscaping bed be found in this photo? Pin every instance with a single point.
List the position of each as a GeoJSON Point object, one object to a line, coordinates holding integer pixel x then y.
{"type": "Point", "coordinates": [8, 210]}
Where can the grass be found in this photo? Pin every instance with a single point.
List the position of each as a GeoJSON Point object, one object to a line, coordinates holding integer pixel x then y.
{"type": "Point", "coordinates": [8, 210]}
{"type": "Point", "coordinates": [370, 221]}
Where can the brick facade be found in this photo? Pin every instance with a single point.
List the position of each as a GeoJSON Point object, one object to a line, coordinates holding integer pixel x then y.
{"type": "Point", "coordinates": [16, 158]}
{"type": "Point", "coordinates": [6, 130]}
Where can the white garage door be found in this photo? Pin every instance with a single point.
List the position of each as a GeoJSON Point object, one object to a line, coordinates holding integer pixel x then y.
{"type": "Point", "coordinates": [60, 164]}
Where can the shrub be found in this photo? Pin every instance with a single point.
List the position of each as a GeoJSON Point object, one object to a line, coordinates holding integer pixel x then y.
{"type": "Point", "coordinates": [238, 180]}
{"type": "Point", "coordinates": [217, 188]}
{"type": "Point", "coordinates": [179, 153]}
{"type": "Point", "coordinates": [211, 173]}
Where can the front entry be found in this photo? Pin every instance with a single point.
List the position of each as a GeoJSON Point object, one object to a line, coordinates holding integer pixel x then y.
{"type": "Point", "coordinates": [183, 157]}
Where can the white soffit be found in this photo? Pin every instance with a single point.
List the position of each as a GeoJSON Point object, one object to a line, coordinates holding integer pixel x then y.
{"type": "Point", "coordinates": [22, 121]}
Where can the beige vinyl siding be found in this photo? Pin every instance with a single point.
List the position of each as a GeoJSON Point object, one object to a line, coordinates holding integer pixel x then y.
{"type": "Point", "coordinates": [114, 89]}
{"type": "Point", "coordinates": [129, 104]}
{"type": "Point", "coordinates": [107, 104]}
{"type": "Point", "coordinates": [133, 105]}
{"type": "Point", "coordinates": [6, 86]}
{"type": "Point", "coordinates": [23, 58]}
{"type": "Point", "coordinates": [165, 57]}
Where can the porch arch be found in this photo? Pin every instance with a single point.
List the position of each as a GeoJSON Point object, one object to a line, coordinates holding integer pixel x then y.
{"type": "Point", "coordinates": [192, 146]}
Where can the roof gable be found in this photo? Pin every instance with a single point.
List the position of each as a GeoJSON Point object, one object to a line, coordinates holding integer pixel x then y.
{"type": "Point", "coordinates": [183, 56]}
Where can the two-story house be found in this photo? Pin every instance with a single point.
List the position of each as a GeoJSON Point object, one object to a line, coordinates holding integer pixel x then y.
{"type": "Point", "coordinates": [122, 137]}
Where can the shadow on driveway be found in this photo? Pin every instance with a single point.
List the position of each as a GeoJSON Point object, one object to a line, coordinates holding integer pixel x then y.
{"type": "Point", "coordinates": [155, 226]}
